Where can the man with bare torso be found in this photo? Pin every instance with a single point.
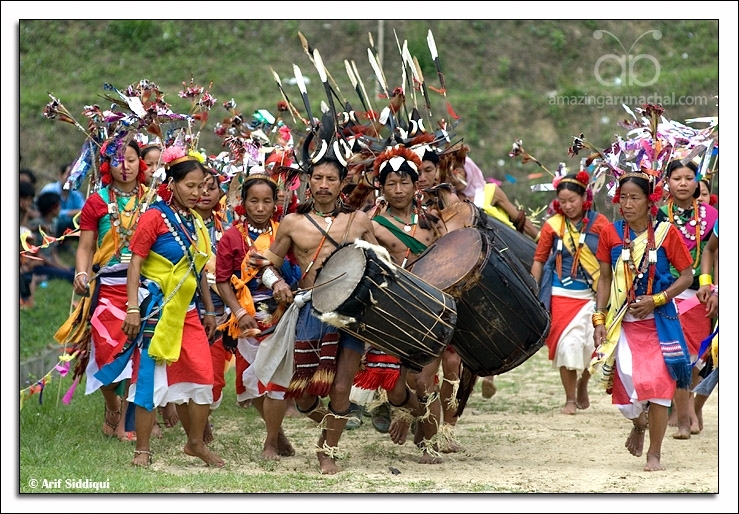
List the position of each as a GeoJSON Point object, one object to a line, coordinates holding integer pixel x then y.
{"type": "Point", "coordinates": [406, 232]}
{"type": "Point", "coordinates": [312, 233]}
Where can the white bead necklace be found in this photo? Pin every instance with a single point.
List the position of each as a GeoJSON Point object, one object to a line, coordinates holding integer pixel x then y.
{"type": "Point", "coordinates": [266, 229]}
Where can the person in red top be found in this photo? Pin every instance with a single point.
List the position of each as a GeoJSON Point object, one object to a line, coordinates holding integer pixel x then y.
{"type": "Point", "coordinates": [253, 310]}
{"type": "Point", "coordinates": [567, 271]}
{"type": "Point", "coordinates": [108, 220]}
{"type": "Point", "coordinates": [640, 346]}
{"type": "Point", "coordinates": [170, 348]}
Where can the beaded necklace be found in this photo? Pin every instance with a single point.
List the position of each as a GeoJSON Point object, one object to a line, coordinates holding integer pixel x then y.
{"type": "Point", "coordinates": [123, 194]}
{"type": "Point", "coordinates": [122, 231]}
{"type": "Point", "coordinates": [407, 226]}
{"type": "Point", "coordinates": [698, 223]}
{"type": "Point", "coordinates": [267, 229]}
{"type": "Point", "coordinates": [560, 244]}
{"type": "Point", "coordinates": [187, 227]}
{"type": "Point", "coordinates": [327, 216]}
{"type": "Point", "coordinates": [648, 261]}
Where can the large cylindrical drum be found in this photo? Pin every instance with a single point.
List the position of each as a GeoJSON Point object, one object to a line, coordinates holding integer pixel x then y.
{"type": "Point", "coordinates": [359, 290]}
{"type": "Point", "coordinates": [500, 320]}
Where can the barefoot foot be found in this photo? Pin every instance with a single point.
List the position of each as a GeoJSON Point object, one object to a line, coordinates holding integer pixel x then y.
{"type": "Point", "coordinates": [399, 431]}
{"type": "Point", "coordinates": [142, 458]}
{"type": "Point", "coordinates": [270, 453]}
{"type": "Point", "coordinates": [569, 408]}
{"type": "Point", "coordinates": [327, 464]}
{"type": "Point", "coordinates": [682, 433]}
{"type": "Point", "coordinates": [169, 415]}
{"type": "Point", "coordinates": [635, 441]}
{"type": "Point", "coordinates": [156, 431]}
{"type": "Point", "coordinates": [451, 446]}
{"type": "Point", "coordinates": [202, 451]}
{"type": "Point", "coordinates": [208, 433]}
{"type": "Point", "coordinates": [427, 458]}
{"type": "Point", "coordinates": [284, 448]}
{"type": "Point", "coordinates": [653, 463]}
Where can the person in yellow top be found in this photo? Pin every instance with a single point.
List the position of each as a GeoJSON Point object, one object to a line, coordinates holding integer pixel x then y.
{"type": "Point", "coordinates": [496, 204]}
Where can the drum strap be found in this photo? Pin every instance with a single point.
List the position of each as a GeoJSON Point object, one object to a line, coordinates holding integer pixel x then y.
{"type": "Point", "coordinates": [348, 226]}
{"type": "Point", "coordinates": [323, 232]}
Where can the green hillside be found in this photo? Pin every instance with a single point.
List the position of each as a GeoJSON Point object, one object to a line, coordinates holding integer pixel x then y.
{"type": "Point", "coordinates": [540, 81]}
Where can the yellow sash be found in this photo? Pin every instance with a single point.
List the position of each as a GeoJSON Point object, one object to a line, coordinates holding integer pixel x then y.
{"type": "Point", "coordinates": [76, 328]}
{"type": "Point", "coordinates": [166, 342]}
{"type": "Point", "coordinates": [587, 259]}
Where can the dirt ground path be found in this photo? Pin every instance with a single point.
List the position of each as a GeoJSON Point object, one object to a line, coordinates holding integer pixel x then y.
{"type": "Point", "coordinates": [515, 442]}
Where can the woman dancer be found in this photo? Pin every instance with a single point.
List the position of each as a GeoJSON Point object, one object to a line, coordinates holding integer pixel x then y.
{"type": "Point", "coordinates": [640, 345]}
{"type": "Point", "coordinates": [171, 354]}
{"type": "Point", "coordinates": [695, 220]}
{"type": "Point", "coordinates": [567, 271]}
{"type": "Point", "coordinates": [254, 311]}
{"type": "Point", "coordinates": [107, 223]}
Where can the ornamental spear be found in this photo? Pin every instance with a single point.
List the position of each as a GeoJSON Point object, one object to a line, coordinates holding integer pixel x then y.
{"type": "Point", "coordinates": [310, 51]}
{"type": "Point", "coordinates": [304, 93]}
{"type": "Point", "coordinates": [442, 81]}
{"type": "Point", "coordinates": [293, 110]}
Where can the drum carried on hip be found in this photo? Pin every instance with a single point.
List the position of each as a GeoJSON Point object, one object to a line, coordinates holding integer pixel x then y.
{"type": "Point", "coordinates": [361, 291]}
{"type": "Point", "coordinates": [500, 320]}
{"type": "Point", "coordinates": [467, 214]}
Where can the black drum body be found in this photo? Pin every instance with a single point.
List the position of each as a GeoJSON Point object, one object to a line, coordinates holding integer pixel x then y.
{"type": "Point", "coordinates": [500, 320]}
{"type": "Point", "coordinates": [360, 291]}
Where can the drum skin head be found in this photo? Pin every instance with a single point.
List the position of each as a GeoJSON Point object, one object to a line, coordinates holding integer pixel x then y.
{"type": "Point", "coordinates": [338, 278]}
{"type": "Point", "coordinates": [450, 258]}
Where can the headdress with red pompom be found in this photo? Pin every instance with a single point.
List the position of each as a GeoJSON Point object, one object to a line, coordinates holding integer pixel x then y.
{"type": "Point", "coordinates": [171, 156]}
{"type": "Point", "coordinates": [112, 153]}
{"type": "Point", "coordinates": [398, 159]}
{"type": "Point", "coordinates": [582, 180]}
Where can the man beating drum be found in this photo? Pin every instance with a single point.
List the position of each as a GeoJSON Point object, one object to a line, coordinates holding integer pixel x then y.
{"type": "Point", "coordinates": [319, 226]}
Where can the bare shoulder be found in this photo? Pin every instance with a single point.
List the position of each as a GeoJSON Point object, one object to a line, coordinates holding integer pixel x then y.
{"type": "Point", "coordinates": [365, 226]}
{"type": "Point", "coordinates": [290, 221]}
